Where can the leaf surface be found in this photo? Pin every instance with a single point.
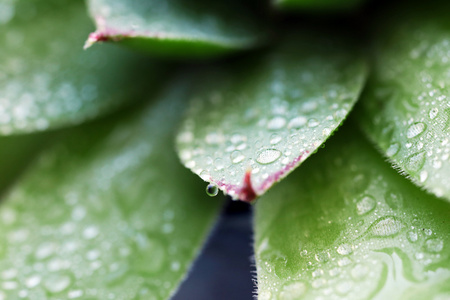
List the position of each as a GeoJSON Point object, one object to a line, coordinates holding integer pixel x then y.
{"type": "Point", "coordinates": [48, 81]}
{"type": "Point", "coordinates": [406, 107]}
{"type": "Point", "coordinates": [347, 226]}
{"type": "Point", "coordinates": [249, 125]}
{"type": "Point", "coordinates": [194, 28]}
{"type": "Point", "coordinates": [107, 213]}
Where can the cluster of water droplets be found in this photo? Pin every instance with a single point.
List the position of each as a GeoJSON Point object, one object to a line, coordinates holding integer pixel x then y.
{"type": "Point", "coordinates": [266, 128]}
{"type": "Point", "coordinates": [98, 227]}
{"type": "Point", "coordinates": [413, 127]}
{"type": "Point", "coordinates": [47, 79]}
{"type": "Point", "coordinates": [382, 251]}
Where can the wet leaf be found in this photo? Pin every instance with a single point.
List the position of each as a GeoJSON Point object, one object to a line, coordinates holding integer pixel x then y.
{"type": "Point", "coordinates": [249, 125]}
{"type": "Point", "coordinates": [347, 226]}
{"type": "Point", "coordinates": [405, 109]}
{"type": "Point", "coordinates": [48, 81]}
{"type": "Point", "coordinates": [196, 28]}
{"type": "Point", "coordinates": [104, 214]}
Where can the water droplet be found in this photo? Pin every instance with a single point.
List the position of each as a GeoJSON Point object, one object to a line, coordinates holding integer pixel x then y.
{"type": "Point", "coordinates": [412, 236]}
{"type": "Point", "coordinates": [322, 256]}
{"type": "Point", "coordinates": [292, 291]}
{"type": "Point", "coordinates": [423, 176]}
{"type": "Point", "coordinates": [57, 283]}
{"type": "Point", "coordinates": [428, 232]}
{"type": "Point", "coordinates": [75, 294]}
{"type": "Point", "coordinates": [393, 149]}
{"type": "Point", "coordinates": [212, 190]}
{"type": "Point", "coordinates": [90, 232]}
{"type": "Point", "coordinates": [265, 295]}
{"type": "Point", "coordinates": [344, 262]}
{"type": "Point", "coordinates": [297, 122]}
{"type": "Point", "coordinates": [434, 245]}
{"type": "Point", "coordinates": [218, 163]}
{"type": "Point", "coordinates": [317, 273]}
{"type": "Point", "coordinates": [344, 249]}
{"type": "Point", "coordinates": [415, 162]}
{"type": "Point", "coordinates": [386, 226]}
{"type": "Point", "coordinates": [313, 123]}
{"type": "Point", "coordinates": [318, 283]}
{"type": "Point", "coordinates": [275, 139]}
{"type": "Point", "coordinates": [393, 200]}
{"type": "Point", "coordinates": [415, 129]}
{"type": "Point", "coordinates": [433, 113]}
{"type": "Point", "coordinates": [304, 253]}
{"type": "Point", "coordinates": [365, 205]}
{"type": "Point", "coordinates": [268, 156]}
{"type": "Point", "coordinates": [32, 281]}
{"type": "Point", "coordinates": [276, 123]}
{"type": "Point", "coordinates": [359, 272]}
{"type": "Point", "coordinates": [343, 288]}
{"type": "Point", "coordinates": [237, 157]}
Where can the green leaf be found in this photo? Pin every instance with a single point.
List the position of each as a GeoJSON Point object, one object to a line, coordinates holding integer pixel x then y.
{"type": "Point", "coordinates": [48, 81]}
{"type": "Point", "coordinates": [179, 28]}
{"type": "Point", "coordinates": [405, 109]}
{"type": "Point", "coordinates": [108, 213]}
{"type": "Point", "coordinates": [347, 226]}
{"type": "Point", "coordinates": [249, 125]}
{"type": "Point", "coordinates": [317, 5]}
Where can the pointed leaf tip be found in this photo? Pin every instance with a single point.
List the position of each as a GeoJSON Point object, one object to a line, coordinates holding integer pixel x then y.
{"type": "Point", "coordinates": [269, 113]}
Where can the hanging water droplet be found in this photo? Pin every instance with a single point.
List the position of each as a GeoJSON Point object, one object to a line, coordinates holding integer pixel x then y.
{"type": "Point", "coordinates": [268, 156]}
{"type": "Point", "coordinates": [393, 149]}
{"type": "Point", "coordinates": [433, 113]}
{"type": "Point", "coordinates": [212, 190]}
{"type": "Point", "coordinates": [366, 204]}
{"type": "Point", "coordinates": [415, 129]}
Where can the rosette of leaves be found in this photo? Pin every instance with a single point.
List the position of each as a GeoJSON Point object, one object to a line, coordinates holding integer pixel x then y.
{"type": "Point", "coordinates": [106, 152]}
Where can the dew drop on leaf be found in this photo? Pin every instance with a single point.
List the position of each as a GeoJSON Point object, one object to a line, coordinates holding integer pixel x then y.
{"type": "Point", "coordinates": [434, 245]}
{"type": "Point", "coordinates": [393, 149]}
{"type": "Point", "coordinates": [386, 226]}
{"type": "Point", "coordinates": [344, 249]}
{"type": "Point", "coordinates": [268, 156]}
{"type": "Point", "coordinates": [433, 113]}
{"type": "Point", "coordinates": [415, 129]}
{"type": "Point", "coordinates": [365, 205]}
{"type": "Point", "coordinates": [212, 190]}
{"type": "Point", "coordinates": [415, 162]}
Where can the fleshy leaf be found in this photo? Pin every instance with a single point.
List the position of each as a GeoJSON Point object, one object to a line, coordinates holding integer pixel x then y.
{"type": "Point", "coordinates": [405, 109]}
{"type": "Point", "coordinates": [48, 81]}
{"type": "Point", "coordinates": [347, 226]}
{"type": "Point", "coordinates": [249, 125]}
{"type": "Point", "coordinates": [319, 5]}
{"type": "Point", "coordinates": [194, 28]}
{"type": "Point", "coordinates": [108, 213]}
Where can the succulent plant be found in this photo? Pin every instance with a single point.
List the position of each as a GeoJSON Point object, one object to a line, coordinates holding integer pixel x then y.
{"type": "Point", "coordinates": [330, 118]}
